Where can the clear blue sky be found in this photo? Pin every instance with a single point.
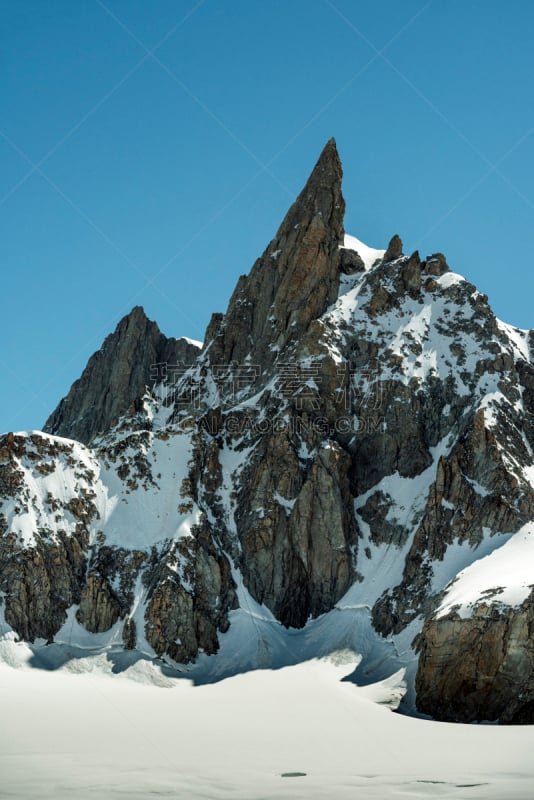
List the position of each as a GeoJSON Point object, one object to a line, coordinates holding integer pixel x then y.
{"type": "Point", "coordinates": [149, 151]}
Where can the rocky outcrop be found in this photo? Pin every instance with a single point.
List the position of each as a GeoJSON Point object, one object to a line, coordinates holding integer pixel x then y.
{"type": "Point", "coordinates": [295, 279]}
{"type": "Point", "coordinates": [188, 606]}
{"type": "Point", "coordinates": [375, 513]}
{"type": "Point", "coordinates": [55, 556]}
{"type": "Point", "coordinates": [108, 593]}
{"type": "Point", "coordinates": [350, 261]}
{"type": "Point", "coordinates": [297, 531]}
{"type": "Point", "coordinates": [436, 264]}
{"type": "Point", "coordinates": [134, 356]}
{"type": "Point", "coordinates": [394, 249]}
{"type": "Point", "coordinates": [473, 492]}
{"type": "Point", "coordinates": [411, 274]}
{"type": "Point", "coordinates": [39, 584]}
{"type": "Point", "coordinates": [478, 668]}
{"type": "Point", "coordinates": [99, 608]}
{"type": "Point", "coordinates": [42, 572]}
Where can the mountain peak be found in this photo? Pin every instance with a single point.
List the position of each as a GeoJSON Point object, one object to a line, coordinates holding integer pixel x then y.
{"type": "Point", "coordinates": [296, 278]}
{"type": "Point", "coordinates": [328, 164]}
{"type": "Point", "coordinates": [137, 312]}
{"type": "Point", "coordinates": [321, 194]}
{"type": "Point", "coordinates": [116, 377]}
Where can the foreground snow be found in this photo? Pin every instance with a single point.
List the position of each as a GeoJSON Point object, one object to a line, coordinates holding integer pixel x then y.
{"type": "Point", "coordinates": [97, 735]}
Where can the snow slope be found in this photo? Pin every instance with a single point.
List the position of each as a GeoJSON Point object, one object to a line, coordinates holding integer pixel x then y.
{"type": "Point", "coordinates": [505, 577]}
{"type": "Point", "coordinates": [298, 732]}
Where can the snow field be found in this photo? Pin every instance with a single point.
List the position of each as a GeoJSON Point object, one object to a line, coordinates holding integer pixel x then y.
{"type": "Point", "coordinates": [93, 735]}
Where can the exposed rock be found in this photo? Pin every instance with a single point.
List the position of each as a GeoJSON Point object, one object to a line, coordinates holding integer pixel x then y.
{"type": "Point", "coordinates": [108, 593]}
{"type": "Point", "coordinates": [294, 281]}
{"type": "Point", "coordinates": [479, 668]}
{"type": "Point", "coordinates": [40, 584]}
{"type": "Point", "coordinates": [383, 530]}
{"type": "Point", "coordinates": [436, 264]}
{"type": "Point", "coordinates": [185, 613]}
{"type": "Point", "coordinates": [431, 285]}
{"type": "Point", "coordinates": [314, 440]}
{"type": "Point", "coordinates": [457, 511]}
{"type": "Point", "coordinates": [350, 261]}
{"type": "Point", "coordinates": [99, 608]}
{"type": "Point", "coordinates": [394, 442]}
{"type": "Point", "coordinates": [411, 273]}
{"type": "Point", "coordinates": [394, 249]}
{"type": "Point", "coordinates": [129, 634]}
{"type": "Point", "coordinates": [297, 555]}
{"type": "Point", "coordinates": [133, 357]}
{"type": "Point", "coordinates": [381, 301]}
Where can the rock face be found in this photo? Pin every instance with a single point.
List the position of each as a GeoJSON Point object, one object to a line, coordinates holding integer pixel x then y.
{"type": "Point", "coordinates": [479, 668]}
{"type": "Point", "coordinates": [180, 622]}
{"type": "Point", "coordinates": [356, 434]}
{"type": "Point", "coordinates": [296, 278]}
{"type": "Point", "coordinates": [40, 583]}
{"type": "Point", "coordinates": [456, 511]}
{"type": "Point", "coordinates": [297, 532]}
{"type": "Point", "coordinates": [350, 261]}
{"type": "Point", "coordinates": [116, 377]}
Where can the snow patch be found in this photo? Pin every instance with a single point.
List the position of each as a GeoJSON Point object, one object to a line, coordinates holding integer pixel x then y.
{"type": "Point", "coordinates": [367, 254]}
{"type": "Point", "coordinates": [509, 568]}
{"type": "Point", "coordinates": [194, 342]}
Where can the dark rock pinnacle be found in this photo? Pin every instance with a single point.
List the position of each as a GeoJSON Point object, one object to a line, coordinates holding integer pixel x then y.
{"type": "Point", "coordinates": [394, 249]}
{"type": "Point", "coordinates": [296, 278]}
{"type": "Point", "coordinates": [116, 376]}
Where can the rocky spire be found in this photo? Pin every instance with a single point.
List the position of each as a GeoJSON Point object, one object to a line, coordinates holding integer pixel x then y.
{"type": "Point", "coordinates": [116, 376]}
{"type": "Point", "coordinates": [394, 249]}
{"type": "Point", "coordinates": [295, 279]}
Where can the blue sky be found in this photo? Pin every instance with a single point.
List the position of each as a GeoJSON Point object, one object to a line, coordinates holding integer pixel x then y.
{"type": "Point", "coordinates": [149, 151]}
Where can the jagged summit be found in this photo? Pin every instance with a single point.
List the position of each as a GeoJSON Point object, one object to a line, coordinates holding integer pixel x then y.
{"type": "Point", "coordinates": [295, 279]}
{"type": "Point", "coordinates": [322, 193]}
{"type": "Point", "coordinates": [292, 283]}
{"type": "Point", "coordinates": [116, 376]}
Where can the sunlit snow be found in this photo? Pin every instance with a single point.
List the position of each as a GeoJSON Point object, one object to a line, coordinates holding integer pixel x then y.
{"type": "Point", "coordinates": [367, 254]}
{"type": "Point", "coordinates": [299, 732]}
{"type": "Point", "coordinates": [504, 576]}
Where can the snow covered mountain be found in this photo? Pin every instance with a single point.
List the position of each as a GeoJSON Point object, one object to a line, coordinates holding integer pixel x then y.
{"type": "Point", "coordinates": [346, 462]}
